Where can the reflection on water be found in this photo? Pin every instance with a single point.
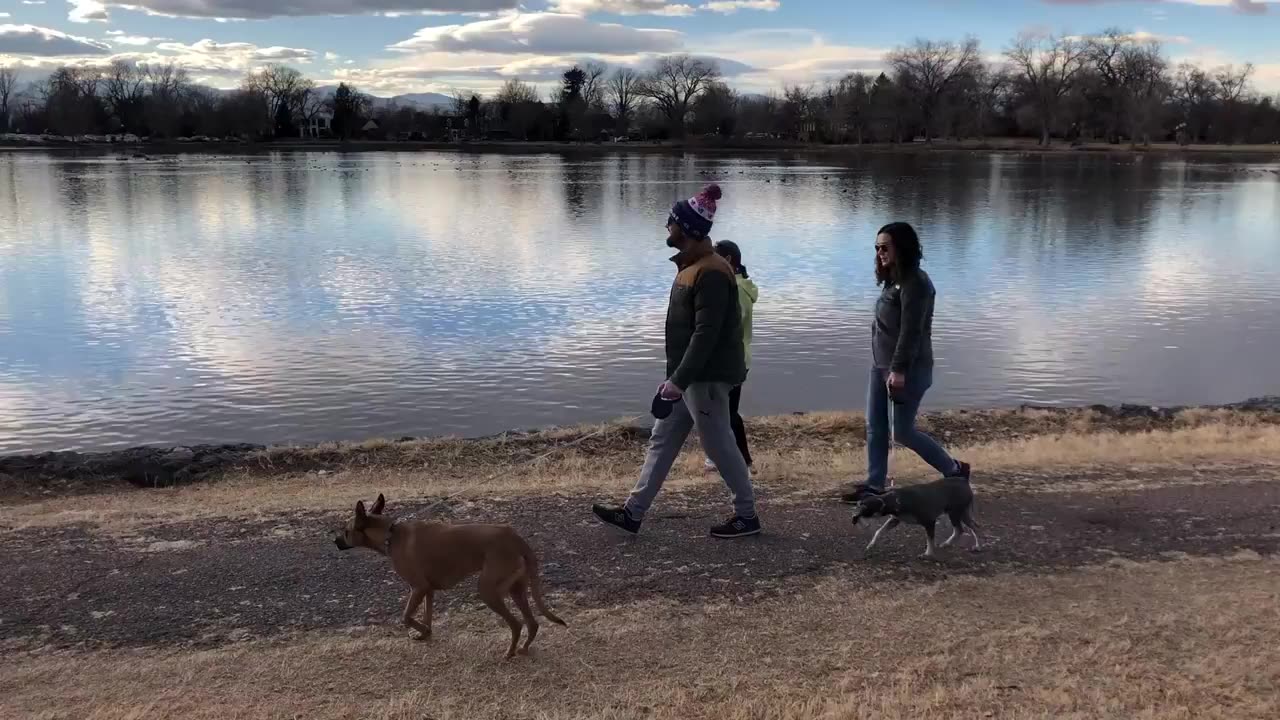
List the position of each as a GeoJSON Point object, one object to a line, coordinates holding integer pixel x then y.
{"type": "Point", "coordinates": [311, 297]}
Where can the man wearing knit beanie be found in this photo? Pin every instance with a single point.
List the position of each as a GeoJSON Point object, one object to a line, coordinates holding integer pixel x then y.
{"type": "Point", "coordinates": [705, 360]}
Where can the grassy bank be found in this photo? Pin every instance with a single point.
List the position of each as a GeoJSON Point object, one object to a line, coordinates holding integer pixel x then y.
{"type": "Point", "coordinates": [809, 453]}
{"type": "Point", "coordinates": [1129, 572]}
{"type": "Point", "coordinates": [701, 146]}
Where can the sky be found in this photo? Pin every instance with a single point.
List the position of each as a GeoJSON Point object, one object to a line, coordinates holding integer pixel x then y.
{"type": "Point", "coordinates": [388, 47]}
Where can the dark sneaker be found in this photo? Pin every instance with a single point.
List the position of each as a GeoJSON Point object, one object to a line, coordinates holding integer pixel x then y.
{"type": "Point", "coordinates": [617, 517]}
{"type": "Point", "coordinates": [962, 471]}
{"type": "Point", "coordinates": [859, 491]}
{"type": "Point", "coordinates": [737, 527]}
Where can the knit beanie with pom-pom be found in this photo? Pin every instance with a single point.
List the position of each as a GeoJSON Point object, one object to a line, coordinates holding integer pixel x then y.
{"type": "Point", "coordinates": [696, 215]}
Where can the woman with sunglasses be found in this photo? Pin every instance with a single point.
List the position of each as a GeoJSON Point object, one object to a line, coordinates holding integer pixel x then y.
{"type": "Point", "coordinates": [902, 359]}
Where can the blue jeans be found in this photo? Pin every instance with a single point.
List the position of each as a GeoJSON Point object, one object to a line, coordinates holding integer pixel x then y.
{"type": "Point", "coordinates": [904, 425]}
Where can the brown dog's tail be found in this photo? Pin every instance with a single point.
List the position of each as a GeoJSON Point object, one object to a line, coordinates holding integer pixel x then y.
{"type": "Point", "coordinates": [535, 585]}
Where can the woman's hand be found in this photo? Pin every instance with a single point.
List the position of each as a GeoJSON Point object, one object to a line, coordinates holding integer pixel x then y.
{"type": "Point", "coordinates": [669, 391]}
{"type": "Point", "coordinates": [896, 381]}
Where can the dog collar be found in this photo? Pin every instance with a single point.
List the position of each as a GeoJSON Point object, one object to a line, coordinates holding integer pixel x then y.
{"type": "Point", "coordinates": [386, 544]}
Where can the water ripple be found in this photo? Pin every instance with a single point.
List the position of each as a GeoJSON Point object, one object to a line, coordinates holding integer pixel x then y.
{"type": "Point", "coordinates": [308, 297]}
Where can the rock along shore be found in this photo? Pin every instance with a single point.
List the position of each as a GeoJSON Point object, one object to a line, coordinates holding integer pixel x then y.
{"type": "Point", "coordinates": [167, 466]}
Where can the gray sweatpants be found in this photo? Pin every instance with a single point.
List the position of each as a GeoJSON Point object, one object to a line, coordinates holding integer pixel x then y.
{"type": "Point", "coordinates": [706, 407]}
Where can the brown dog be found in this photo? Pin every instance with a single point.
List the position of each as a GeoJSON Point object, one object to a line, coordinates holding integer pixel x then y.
{"type": "Point", "coordinates": [433, 556]}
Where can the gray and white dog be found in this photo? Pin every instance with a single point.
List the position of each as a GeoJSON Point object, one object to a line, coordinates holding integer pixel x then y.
{"type": "Point", "coordinates": [922, 505]}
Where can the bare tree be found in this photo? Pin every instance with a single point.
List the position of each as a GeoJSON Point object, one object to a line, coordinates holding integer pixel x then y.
{"type": "Point", "coordinates": [1105, 57]}
{"type": "Point", "coordinates": [8, 86]}
{"type": "Point", "coordinates": [124, 89]}
{"type": "Point", "coordinates": [310, 105]}
{"type": "Point", "coordinates": [852, 110]}
{"type": "Point", "coordinates": [622, 94]}
{"type": "Point", "coordinates": [798, 103]}
{"type": "Point", "coordinates": [460, 99]}
{"type": "Point", "coordinates": [674, 84]}
{"type": "Point", "coordinates": [593, 85]}
{"type": "Point", "coordinates": [929, 69]}
{"type": "Point", "coordinates": [167, 87]}
{"type": "Point", "coordinates": [202, 104]}
{"type": "Point", "coordinates": [165, 79]}
{"type": "Point", "coordinates": [1144, 86]}
{"type": "Point", "coordinates": [1048, 66]}
{"type": "Point", "coordinates": [1232, 83]}
{"type": "Point", "coordinates": [71, 102]}
{"type": "Point", "coordinates": [1194, 92]}
{"type": "Point", "coordinates": [991, 92]}
{"type": "Point", "coordinates": [518, 107]}
{"type": "Point", "coordinates": [284, 87]}
{"type": "Point", "coordinates": [242, 113]}
{"type": "Point", "coordinates": [715, 110]}
{"type": "Point", "coordinates": [1128, 85]}
{"type": "Point", "coordinates": [514, 91]}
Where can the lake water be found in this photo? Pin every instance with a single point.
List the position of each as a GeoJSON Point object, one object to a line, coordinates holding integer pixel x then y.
{"type": "Point", "coordinates": [325, 296]}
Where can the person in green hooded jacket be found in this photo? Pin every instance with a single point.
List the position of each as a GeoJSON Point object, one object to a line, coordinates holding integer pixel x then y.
{"type": "Point", "coordinates": [748, 293]}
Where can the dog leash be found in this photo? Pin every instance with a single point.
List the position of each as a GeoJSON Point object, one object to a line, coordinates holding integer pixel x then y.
{"type": "Point", "coordinates": [555, 449]}
{"type": "Point", "coordinates": [893, 446]}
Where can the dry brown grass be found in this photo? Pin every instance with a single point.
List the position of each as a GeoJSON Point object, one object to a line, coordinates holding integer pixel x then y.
{"type": "Point", "coordinates": [464, 458]}
{"type": "Point", "coordinates": [800, 455]}
{"type": "Point", "coordinates": [1189, 638]}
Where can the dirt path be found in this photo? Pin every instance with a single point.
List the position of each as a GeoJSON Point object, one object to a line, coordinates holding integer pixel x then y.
{"type": "Point", "coordinates": [212, 583]}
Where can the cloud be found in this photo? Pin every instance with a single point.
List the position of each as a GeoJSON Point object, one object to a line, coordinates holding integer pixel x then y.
{"type": "Point", "coordinates": [259, 9]}
{"type": "Point", "coordinates": [119, 37]}
{"type": "Point", "coordinates": [480, 56]}
{"type": "Point", "coordinates": [1143, 36]}
{"type": "Point", "coordinates": [44, 42]}
{"type": "Point", "coordinates": [783, 56]}
{"type": "Point", "coordinates": [541, 33]}
{"type": "Point", "coordinates": [4, 15]}
{"type": "Point", "coordinates": [1248, 7]}
{"type": "Point", "coordinates": [485, 72]}
{"type": "Point", "coordinates": [659, 7]}
{"type": "Point", "coordinates": [729, 7]}
{"type": "Point", "coordinates": [87, 11]}
{"type": "Point", "coordinates": [209, 62]}
{"type": "Point", "coordinates": [235, 56]}
{"type": "Point", "coordinates": [1139, 36]}
{"type": "Point", "coordinates": [622, 7]}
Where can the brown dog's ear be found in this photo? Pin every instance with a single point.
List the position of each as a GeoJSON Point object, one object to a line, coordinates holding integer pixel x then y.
{"type": "Point", "coordinates": [378, 505]}
{"type": "Point", "coordinates": [361, 515]}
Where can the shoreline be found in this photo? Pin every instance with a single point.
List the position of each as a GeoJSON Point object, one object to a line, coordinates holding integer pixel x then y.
{"type": "Point", "coordinates": [1261, 153]}
{"type": "Point", "coordinates": [167, 466]}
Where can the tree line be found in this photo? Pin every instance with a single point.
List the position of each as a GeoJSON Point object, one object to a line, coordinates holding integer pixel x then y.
{"type": "Point", "coordinates": [1115, 87]}
{"type": "Point", "coordinates": [159, 100]}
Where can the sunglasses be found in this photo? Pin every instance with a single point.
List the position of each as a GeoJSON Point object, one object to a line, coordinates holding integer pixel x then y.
{"type": "Point", "coordinates": [882, 248]}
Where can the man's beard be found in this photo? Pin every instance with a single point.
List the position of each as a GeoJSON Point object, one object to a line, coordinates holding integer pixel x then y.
{"type": "Point", "coordinates": [672, 242]}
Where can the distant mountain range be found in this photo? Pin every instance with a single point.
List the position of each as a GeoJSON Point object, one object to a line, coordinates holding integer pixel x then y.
{"type": "Point", "coordinates": [422, 100]}
{"type": "Point", "coordinates": [425, 101]}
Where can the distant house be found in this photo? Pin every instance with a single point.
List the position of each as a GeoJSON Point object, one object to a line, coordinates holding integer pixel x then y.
{"type": "Point", "coordinates": [371, 130]}
{"type": "Point", "coordinates": [320, 125]}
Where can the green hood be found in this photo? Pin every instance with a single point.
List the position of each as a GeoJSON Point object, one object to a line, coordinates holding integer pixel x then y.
{"type": "Point", "coordinates": [748, 290]}
{"type": "Point", "coordinates": [748, 293]}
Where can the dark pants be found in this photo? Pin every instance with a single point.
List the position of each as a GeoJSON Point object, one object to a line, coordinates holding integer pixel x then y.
{"type": "Point", "coordinates": [735, 419]}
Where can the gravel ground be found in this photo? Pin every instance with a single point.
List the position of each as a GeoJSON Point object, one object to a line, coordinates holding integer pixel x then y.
{"type": "Point", "coordinates": [213, 583]}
